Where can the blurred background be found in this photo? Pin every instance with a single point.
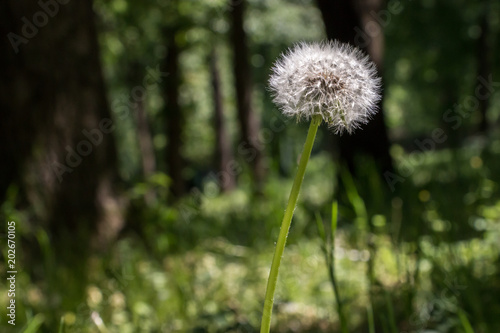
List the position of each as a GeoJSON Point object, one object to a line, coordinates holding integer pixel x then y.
{"type": "Point", "coordinates": [147, 169]}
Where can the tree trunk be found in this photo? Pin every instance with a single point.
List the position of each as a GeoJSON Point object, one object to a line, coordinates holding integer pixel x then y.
{"type": "Point", "coordinates": [56, 127]}
{"type": "Point", "coordinates": [345, 21]}
{"type": "Point", "coordinates": [173, 116]}
{"type": "Point", "coordinates": [342, 20]}
{"type": "Point", "coordinates": [250, 148]}
{"type": "Point", "coordinates": [484, 63]}
{"type": "Point", "coordinates": [139, 101]}
{"type": "Point", "coordinates": [223, 152]}
{"type": "Point", "coordinates": [146, 146]}
{"type": "Point", "coordinates": [145, 139]}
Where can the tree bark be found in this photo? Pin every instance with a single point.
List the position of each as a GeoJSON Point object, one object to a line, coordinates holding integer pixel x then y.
{"type": "Point", "coordinates": [144, 137]}
{"type": "Point", "coordinates": [146, 146]}
{"type": "Point", "coordinates": [56, 127]}
{"type": "Point", "coordinates": [173, 116]}
{"type": "Point", "coordinates": [249, 148]}
{"type": "Point", "coordinates": [484, 63]}
{"type": "Point", "coordinates": [345, 21]}
{"type": "Point", "coordinates": [223, 151]}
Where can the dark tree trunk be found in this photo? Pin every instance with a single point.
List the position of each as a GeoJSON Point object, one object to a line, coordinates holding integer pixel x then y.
{"type": "Point", "coordinates": [173, 116]}
{"type": "Point", "coordinates": [340, 18]}
{"type": "Point", "coordinates": [56, 127]}
{"type": "Point", "coordinates": [484, 63]}
{"type": "Point", "coordinates": [223, 152]}
{"type": "Point", "coordinates": [146, 146]}
{"type": "Point", "coordinates": [145, 139]}
{"type": "Point", "coordinates": [345, 21]}
{"type": "Point", "coordinates": [250, 148]}
{"type": "Point", "coordinates": [139, 102]}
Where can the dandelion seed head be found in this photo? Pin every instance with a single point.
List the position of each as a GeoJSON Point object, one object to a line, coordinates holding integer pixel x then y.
{"type": "Point", "coordinates": [330, 79]}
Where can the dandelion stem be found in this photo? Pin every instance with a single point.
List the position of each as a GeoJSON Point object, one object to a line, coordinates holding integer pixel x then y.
{"type": "Point", "coordinates": [285, 225]}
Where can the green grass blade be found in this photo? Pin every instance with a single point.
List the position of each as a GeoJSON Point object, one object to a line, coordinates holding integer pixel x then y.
{"type": "Point", "coordinates": [321, 227]}
{"type": "Point", "coordinates": [390, 311]}
{"type": "Point", "coordinates": [34, 324]}
{"type": "Point", "coordinates": [371, 321]}
{"type": "Point", "coordinates": [61, 325]}
{"type": "Point", "coordinates": [465, 321]}
{"type": "Point", "coordinates": [335, 210]}
{"type": "Point", "coordinates": [352, 194]}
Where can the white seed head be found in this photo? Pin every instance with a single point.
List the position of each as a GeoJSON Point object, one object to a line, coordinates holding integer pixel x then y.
{"type": "Point", "coordinates": [330, 79]}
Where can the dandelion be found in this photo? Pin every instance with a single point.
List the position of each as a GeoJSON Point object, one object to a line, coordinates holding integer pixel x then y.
{"type": "Point", "coordinates": [333, 80]}
{"type": "Point", "coordinates": [330, 82]}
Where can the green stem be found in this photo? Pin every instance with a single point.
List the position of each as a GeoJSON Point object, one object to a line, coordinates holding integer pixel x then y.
{"type": "Point", "coordinates": [285, 226]}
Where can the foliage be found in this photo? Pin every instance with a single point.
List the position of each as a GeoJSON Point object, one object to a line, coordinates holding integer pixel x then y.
{"type": "Point", "coordinates": [200, 264]}
{"type": "Point", "coordinates": [207, 273]}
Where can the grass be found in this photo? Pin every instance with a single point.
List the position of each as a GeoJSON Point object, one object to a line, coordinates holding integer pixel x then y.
{"type": "Point", "coordinates": [218, 285]}
{"type": "Point", "coordinates": [436, 265]}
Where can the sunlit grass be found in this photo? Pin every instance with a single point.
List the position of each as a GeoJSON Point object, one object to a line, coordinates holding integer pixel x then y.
{"type": "Point", "coordinates": [169, 280]}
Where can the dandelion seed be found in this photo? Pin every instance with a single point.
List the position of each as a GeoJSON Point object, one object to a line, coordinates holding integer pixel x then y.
{"type": "Point", "coordinates": [330, 79]}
